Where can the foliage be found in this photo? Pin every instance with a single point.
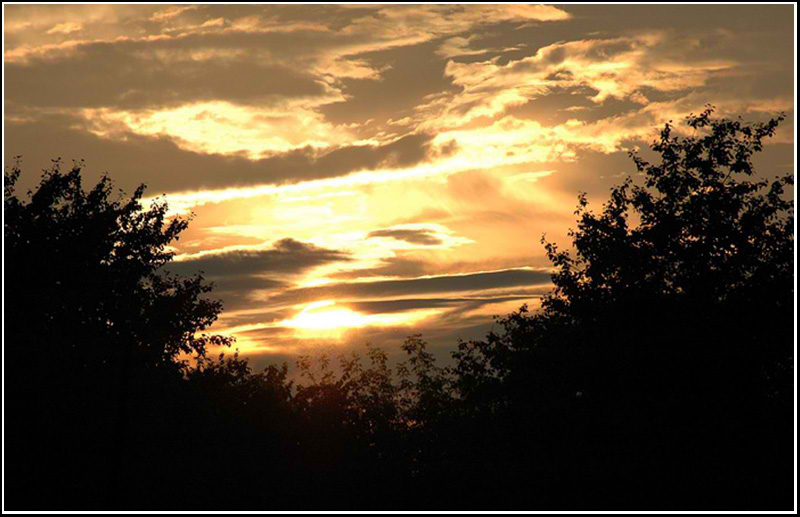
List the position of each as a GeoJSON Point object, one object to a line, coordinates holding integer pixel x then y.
{"type": "Point", "coordinates": [94, 331]}
{"type": "Point", "coordinates": [375, 402]}
{"type": "Point", "coordinates": [87, 274]}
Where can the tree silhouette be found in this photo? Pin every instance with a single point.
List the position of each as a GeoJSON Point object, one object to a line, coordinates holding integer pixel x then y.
{"type": "Point", "coordinates": [372, 426]}
{"type": "Point", "coordinates": [94, 326]}
{"type": "Point", "coordinates": [663, 356]}
{"type": "Point", "coordinates": [91, 268]}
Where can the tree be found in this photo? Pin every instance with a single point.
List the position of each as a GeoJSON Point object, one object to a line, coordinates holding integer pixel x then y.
{"type": "Point", "coordinates": [664, 354]}
{"type": "Point", "coordinates": [372, 425]}
{"type": "Point", "coordinates": [94, 327]}
{"type": "Point", "coordinates": [87, 274]}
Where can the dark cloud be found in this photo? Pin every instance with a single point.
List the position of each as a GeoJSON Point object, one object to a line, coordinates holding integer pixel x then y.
{"type": "Point", "coordinates": [134, 82]}
{"type": "Point", "coordinates": [408, 74]}
{"type": "Point", "coordinates": [257, 317]}
{"type": "Point", "coordinates": [588, 19]}
{"type": "Point", "coordinates": [608, 49]}
{"type": "Point", "coordinates": [238, 274]}
{"type": "Point", "coordinates": [409, 265]}
{"type": "Point", "coordinates": [407, 304]}
{"type": "Point", "coordinates": [233, 283]}
{"type": "Point", "coordinates": [561, 104]}
{"type": "Point", "coordinates": [287, 256]}
{"type": "Point", "coordinates": [403, 152]}
{"type": "Point", "coordinates": [415, 287]}
{"type": "Point", "coordinates": [129, 73]}
{"type": "Point", "coordinates": [424, 237]}
{"type": "Point", "coordinates": [398, 266]}
{"type": "Point", "coordinates": [132, 159]}
{"type": "Point", "coordinates": [612, 21]}
{"type": "Point", "coordinates": [238, 292]}
{"type": "Point", "coordinates": [237, 66]}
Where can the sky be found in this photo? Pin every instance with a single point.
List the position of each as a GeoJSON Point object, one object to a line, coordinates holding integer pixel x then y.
{"type": "Point", "coordinates": [360, 173]}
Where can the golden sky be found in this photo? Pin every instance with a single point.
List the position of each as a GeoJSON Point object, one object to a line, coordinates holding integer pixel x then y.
{"type": "Point", "coordinates": [361, 173]}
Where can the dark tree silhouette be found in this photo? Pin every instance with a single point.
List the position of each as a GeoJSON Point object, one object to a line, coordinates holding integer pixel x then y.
{"type": "Point", "coordinates": [658, 373]}
{"type": "Point", "coordinates": [93, 329]}
{"type": "Point", "coordinates": [91, 272]}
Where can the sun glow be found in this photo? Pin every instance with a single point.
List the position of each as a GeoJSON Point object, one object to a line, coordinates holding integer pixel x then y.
{"type": "Point", "coordinates": [325, 319]}
{"type": "Point", "coordinates": [313, 318]}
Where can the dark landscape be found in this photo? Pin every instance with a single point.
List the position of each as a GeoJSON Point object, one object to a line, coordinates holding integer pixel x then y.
{"type": "Point", "coordinates": [160, 354]}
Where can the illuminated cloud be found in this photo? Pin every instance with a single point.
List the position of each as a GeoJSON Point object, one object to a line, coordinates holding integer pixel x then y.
{"type": "Point", "coordinates": [458, 46]}
{"type": "Point", "coordinates": [170, 12]}
{"type": "Point", "coordinates": [65, 28]}
{"type": "Point", "coordinates": [171, 165]}
{"type": "Point", "coordinates": [620, 67]}
{"type": "Point", "coordinates": [224, 128]}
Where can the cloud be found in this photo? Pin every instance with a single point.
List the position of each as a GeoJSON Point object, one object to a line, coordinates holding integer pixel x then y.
{"type": "Point", "coordinates": [385, 289]}
{"type": "Point", "coordinates": [462, 46]}
{"type": "Point", "coordinates": [224, 128]}
{"type": "Point", "coordinates": [141, 75]}
{"type": "Point", "coordinates": [238, 274]}
{"type": "Point", "coordinates": [618, 67]}
{"type": "Point", "coordinates": [642, 70]}
{"type": "Point", "coordinates": [66, 28]}
{"type": "Point", "coordinates": [425, 235]}
{"type": "Point", "coordinates": [408, 304]}
{"type": "Point", "coordinates": [39, 17]}
{"type": "Point", "coordinates": [395, 266]}
{"type": "Point", "coordinates": [170, 12]}
{"type": "Point", "coordinates": [269, 33]}
{"type": "Point", "coordinates": [216, 22]}
{"type": "Point", "coordinates": [414, 24]}
{"type": "Point", "coordinates": [458, 46]}
{"type": "Point", "coordinates": [286, 256]}
{"type": "Point", "coordinates": [160, 162]}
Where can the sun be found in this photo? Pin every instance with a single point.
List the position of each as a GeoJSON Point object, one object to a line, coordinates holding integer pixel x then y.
{"type": "Point", "coordinates": [326, 319]}
{"type": "Point", "coordinates": [318, 316]}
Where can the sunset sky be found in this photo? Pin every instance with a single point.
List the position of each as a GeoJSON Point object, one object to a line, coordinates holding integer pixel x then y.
{"type": "Point", "coordinates": [365, 172]}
